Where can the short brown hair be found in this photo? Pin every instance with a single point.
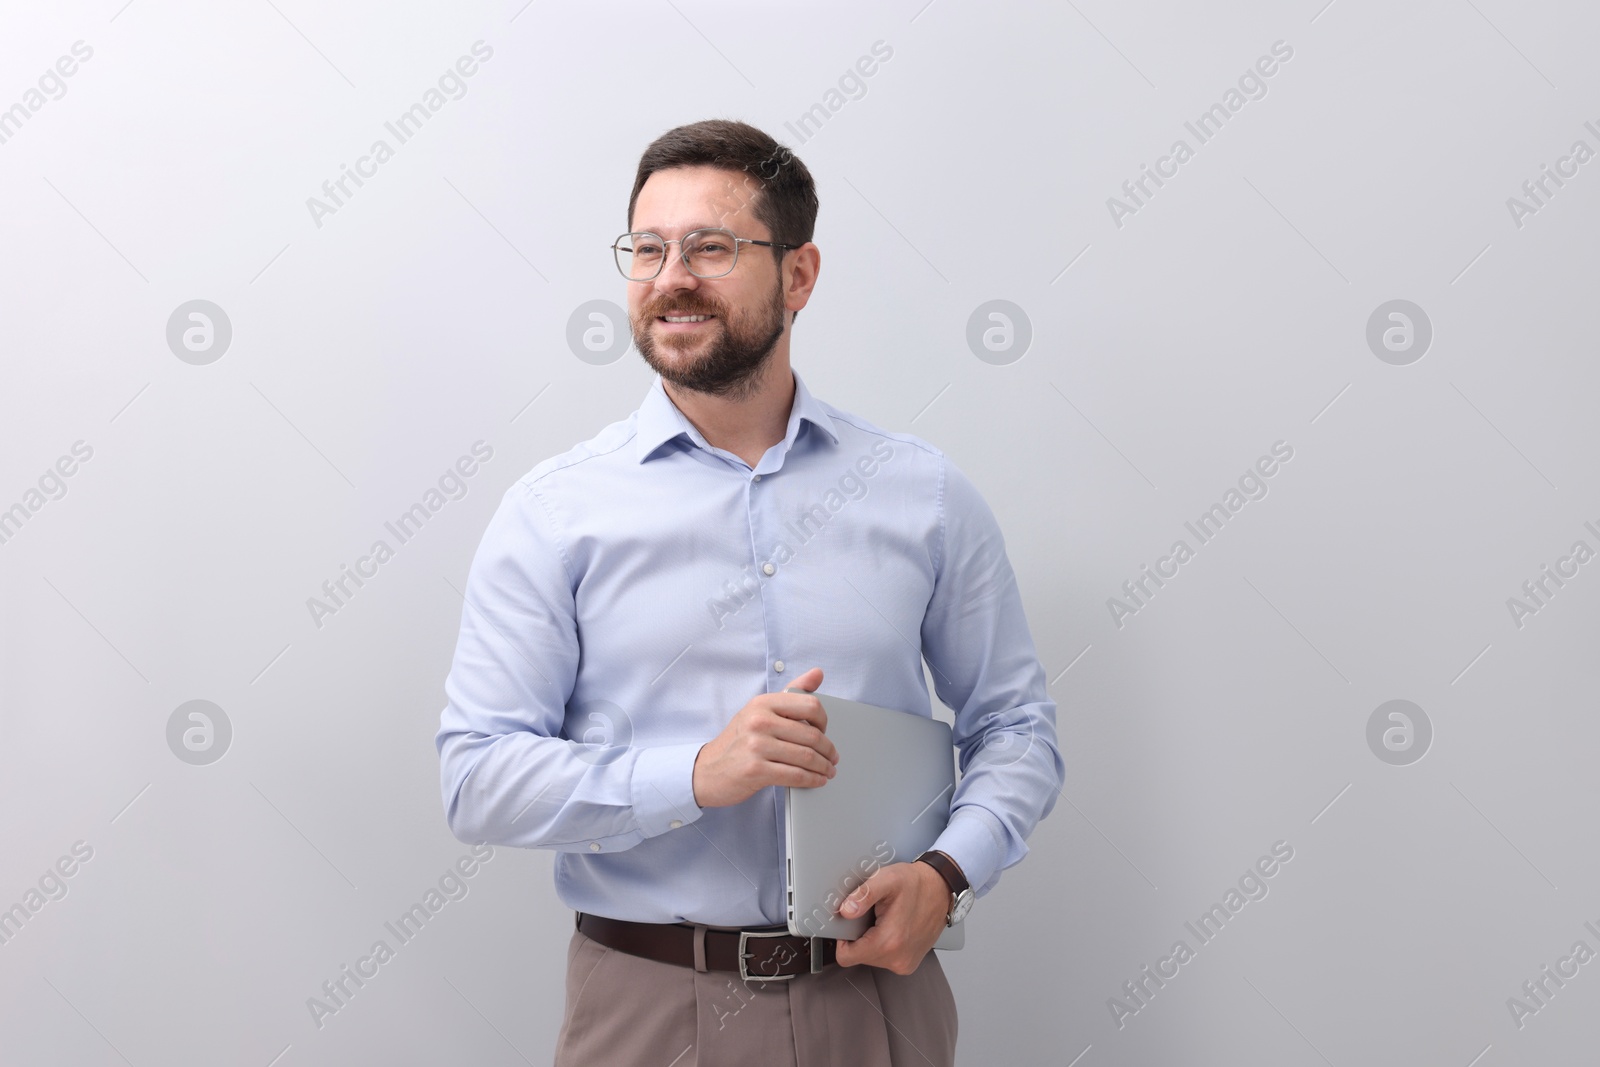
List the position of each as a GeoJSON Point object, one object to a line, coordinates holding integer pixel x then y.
{"type": "Point", "coordinates": [786, 197]}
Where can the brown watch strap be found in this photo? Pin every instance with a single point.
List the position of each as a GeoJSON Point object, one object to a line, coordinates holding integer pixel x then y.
{"type": "Point", "coordinates": [948, 870]}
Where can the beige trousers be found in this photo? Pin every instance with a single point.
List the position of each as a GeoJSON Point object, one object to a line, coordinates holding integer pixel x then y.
{"type": "Point", "coordinates": [628, 1011]}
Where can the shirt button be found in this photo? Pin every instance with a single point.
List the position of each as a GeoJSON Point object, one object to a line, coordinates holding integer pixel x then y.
{"type": "Point", "coordinates": [778, 666]}
{"type": "Point", "coordinates": [757, 478]}
{"type": "Point", "coordinates": [675, 823]}
{"type": "Point", "coordinates": [594, 846]}
{"type": "Point", "coordinates": [767, 568]}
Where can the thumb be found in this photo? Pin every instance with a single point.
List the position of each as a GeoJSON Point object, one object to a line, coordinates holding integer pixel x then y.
{"type": "Point", "coordinates": [807, 682]}
{"type": "Point", "coordinates": [866, 895]}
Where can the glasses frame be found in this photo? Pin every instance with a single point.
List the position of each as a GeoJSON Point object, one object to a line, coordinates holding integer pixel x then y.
{"type": "Point", "coordinates": [735, 238]}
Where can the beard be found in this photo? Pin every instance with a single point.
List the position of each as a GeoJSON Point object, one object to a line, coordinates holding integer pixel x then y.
{"type": "Point", "coordinates": [734, 349]}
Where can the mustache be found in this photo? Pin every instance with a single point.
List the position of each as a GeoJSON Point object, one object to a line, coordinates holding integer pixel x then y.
{"type": "Point", "coordinates": [670, 308]}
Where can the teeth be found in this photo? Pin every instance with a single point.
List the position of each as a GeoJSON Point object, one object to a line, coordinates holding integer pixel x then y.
{"type": "Point", "coordinates": [686, 318]}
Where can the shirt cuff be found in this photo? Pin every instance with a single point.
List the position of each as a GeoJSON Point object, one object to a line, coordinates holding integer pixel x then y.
{"type": "Point", "coordinates": [663, 788]}
{"type": "Point", "coordinates": [972, 839]}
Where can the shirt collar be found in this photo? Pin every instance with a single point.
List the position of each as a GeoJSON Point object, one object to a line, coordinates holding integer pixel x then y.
{"type": "Point", "coordinates": [660, 420]}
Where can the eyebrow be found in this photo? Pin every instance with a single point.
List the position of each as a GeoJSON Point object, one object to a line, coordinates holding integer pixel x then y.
{"type": "Point", "coordinates": [698, 226]}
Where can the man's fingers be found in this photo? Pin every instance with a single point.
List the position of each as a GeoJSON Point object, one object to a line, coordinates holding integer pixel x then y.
{"type": "Point", "coordinates": [802, 706]}
{"type": "Point", "coordinates": [807, 682]}
{"type": "Point", "coordinates": [789, 774]}
{"type": "Point", "coordinates": [863, 949]}
{"type": "Point", "coordinates": [806, 758]}
{"type": "Point", "coordinates": [869, 893]}
{"type": "Point", "coordinates": [801, 733]}
{"type": "Point", "coordinates": [803, 687]}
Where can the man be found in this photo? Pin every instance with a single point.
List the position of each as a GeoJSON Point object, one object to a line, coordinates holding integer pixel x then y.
{"type": "Point", "coordinates": [648, 614]}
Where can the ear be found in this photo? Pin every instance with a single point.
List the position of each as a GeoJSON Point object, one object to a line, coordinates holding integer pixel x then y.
{"type": "Point", "coordinates": [799, 275]}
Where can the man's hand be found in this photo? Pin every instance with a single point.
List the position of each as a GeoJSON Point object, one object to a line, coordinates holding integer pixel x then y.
{"type": "Point", "coordinates": [912, 902]}
{"type": "Point", "coordinates": [776, 739]}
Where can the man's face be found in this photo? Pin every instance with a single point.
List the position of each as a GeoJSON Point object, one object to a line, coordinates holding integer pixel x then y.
{"type": "Point", "coordinates": [723, 354]}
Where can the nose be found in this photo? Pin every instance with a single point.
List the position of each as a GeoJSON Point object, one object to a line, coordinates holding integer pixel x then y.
{"type": "Point", "coordinates": [675, 276]}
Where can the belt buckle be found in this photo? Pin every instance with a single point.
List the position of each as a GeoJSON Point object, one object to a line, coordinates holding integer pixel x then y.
{"type": "Point", "coordinates": [744, 957]}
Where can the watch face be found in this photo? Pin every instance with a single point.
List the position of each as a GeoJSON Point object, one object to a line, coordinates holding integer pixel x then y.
{"type": "Point", "coordinates": [962, 905]}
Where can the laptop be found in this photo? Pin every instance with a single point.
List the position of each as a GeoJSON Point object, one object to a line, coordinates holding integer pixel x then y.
{"type": "Point", "coordinates": [887, 803]}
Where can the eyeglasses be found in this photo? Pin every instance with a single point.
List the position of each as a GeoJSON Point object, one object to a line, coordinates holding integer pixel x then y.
{"type": "Point", "coordinates": [708, 253]}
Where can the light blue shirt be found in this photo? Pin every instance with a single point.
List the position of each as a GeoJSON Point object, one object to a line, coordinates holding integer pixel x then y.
{"type": "Point", "coordinates": [630, 595]}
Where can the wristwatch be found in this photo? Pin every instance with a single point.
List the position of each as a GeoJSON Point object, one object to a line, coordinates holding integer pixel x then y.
{"type": "Point", "coordinates": [961, 894]}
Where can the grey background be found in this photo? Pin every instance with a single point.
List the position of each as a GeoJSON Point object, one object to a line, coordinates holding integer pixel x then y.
{"type": "Point", "coordinates": [1167, 354]}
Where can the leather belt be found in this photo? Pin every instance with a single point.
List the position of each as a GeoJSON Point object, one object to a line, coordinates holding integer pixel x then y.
{"type": "Point", "coordinates": [762, 954]}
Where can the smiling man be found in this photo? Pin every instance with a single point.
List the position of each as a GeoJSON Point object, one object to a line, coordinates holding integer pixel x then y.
{"type": "Point", "coordinates": [597, 708]}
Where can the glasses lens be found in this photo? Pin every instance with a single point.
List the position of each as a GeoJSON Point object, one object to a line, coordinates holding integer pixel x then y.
{"type": "Point", "coordinates": [639, 255]}
{"type": "Point", "coordinates": [710, 252]}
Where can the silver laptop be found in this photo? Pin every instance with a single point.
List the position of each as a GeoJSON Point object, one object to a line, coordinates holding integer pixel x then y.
{"type": "Point", "coordinates": [887, 803]}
